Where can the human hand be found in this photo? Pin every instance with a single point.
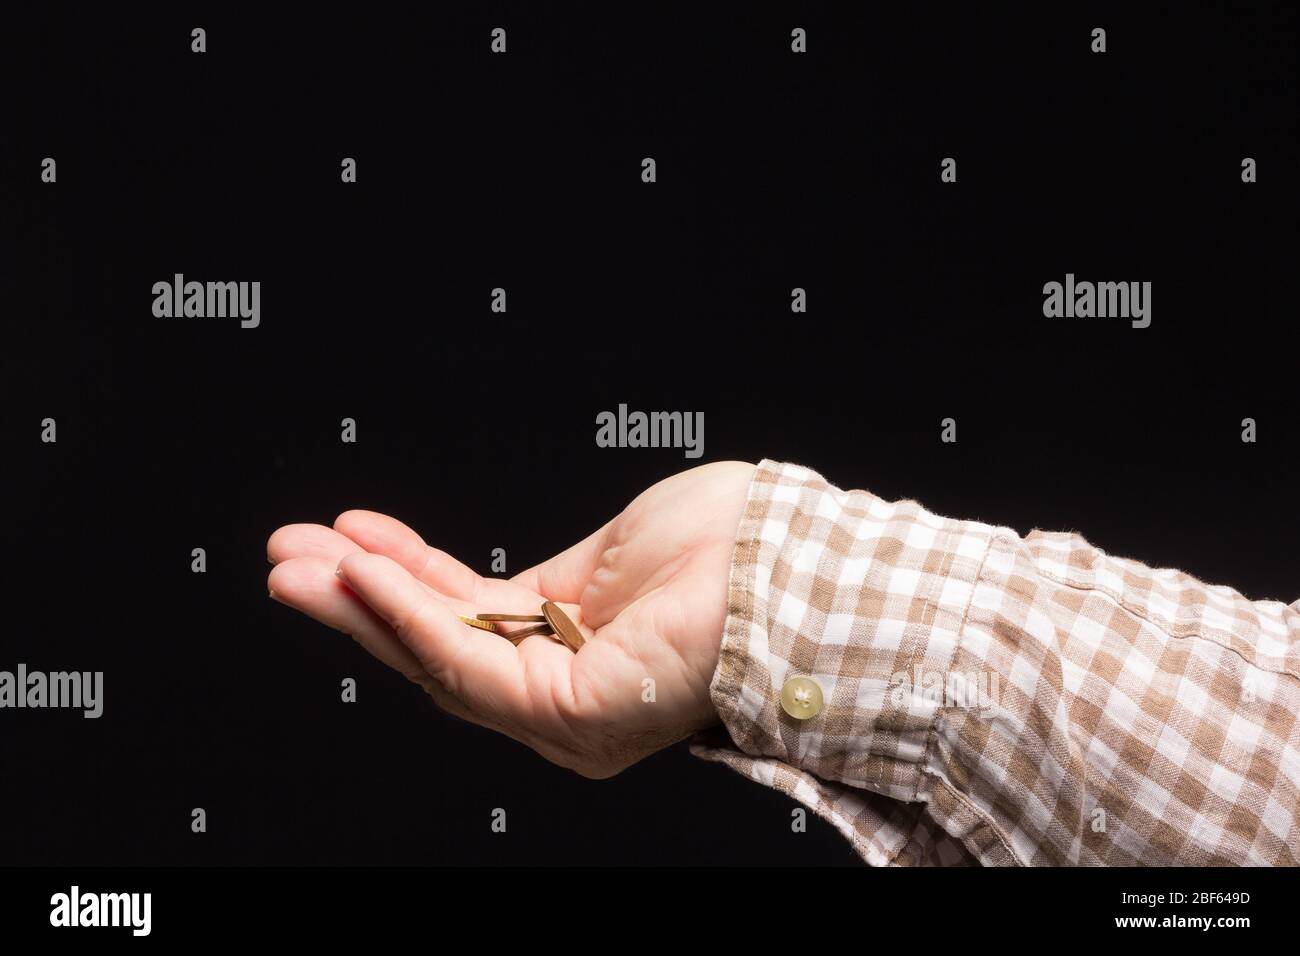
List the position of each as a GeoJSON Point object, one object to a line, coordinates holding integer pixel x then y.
{"type": "Point", "coordinates": [648, 590]}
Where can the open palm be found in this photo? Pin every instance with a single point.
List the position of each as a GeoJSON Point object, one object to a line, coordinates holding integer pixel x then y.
{"type": "Point", "coordinates": [648, 590]}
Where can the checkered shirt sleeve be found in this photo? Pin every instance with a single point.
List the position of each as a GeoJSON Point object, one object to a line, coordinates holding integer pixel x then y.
{"type": "Point", "coordinates": [998, 700]}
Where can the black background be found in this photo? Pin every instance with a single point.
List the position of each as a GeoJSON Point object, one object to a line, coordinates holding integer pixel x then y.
{"type": "Point", "coordinates": [522, 171]}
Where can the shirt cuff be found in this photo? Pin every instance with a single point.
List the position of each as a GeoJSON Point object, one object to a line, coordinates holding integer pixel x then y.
{"type": "Point", "coordinates": [868, 599]}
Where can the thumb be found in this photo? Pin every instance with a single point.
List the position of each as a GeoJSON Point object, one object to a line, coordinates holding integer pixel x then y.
{"type": "Point", "coordinates": [564, 577]}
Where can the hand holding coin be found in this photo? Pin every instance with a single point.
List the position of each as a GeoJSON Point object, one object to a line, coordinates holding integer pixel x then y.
{"type": "Point", "coordinates": [643, 599]}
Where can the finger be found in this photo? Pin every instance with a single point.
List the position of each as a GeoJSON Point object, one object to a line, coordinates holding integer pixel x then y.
{"type": "Point", "coordinates": [309, 540]}
{"type": "Point", "coordinates": [309, 584]}
{"type": "Point", "coordinates": [565, 576]}
{"type": "Point", "coordinates": [380, 534]}
{"type": "Point", "coordinates": [313, 540]}
{"type": "Point", "coordinates": [482, 671]}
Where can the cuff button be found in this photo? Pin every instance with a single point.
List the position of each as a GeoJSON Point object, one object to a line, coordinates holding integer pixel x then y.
{"type": "Point", "coordinates": [801, 698]}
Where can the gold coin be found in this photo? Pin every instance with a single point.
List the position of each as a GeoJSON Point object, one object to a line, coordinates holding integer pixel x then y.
{"type": "Point", "coordinates": [563, 626]}
{"type": "Point", "coordinates": [511, 617]}
{"type": "Point", "coordinates": [514, 637]}
{"type": "Point", "coordinates": [481, 625]}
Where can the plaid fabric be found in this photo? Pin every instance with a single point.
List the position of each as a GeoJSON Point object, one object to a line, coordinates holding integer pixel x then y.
{"type": "Point", "coordinates": [997, 700]}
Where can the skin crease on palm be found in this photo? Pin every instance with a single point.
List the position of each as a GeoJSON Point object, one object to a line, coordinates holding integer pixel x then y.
{"type": "Point", "coordinates": [648, 590]}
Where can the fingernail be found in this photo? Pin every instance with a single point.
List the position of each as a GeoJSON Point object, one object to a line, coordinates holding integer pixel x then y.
{"type": "Point", "coordinates": [271, 595]}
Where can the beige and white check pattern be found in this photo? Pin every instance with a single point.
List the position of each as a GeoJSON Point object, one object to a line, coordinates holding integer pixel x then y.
{"type": "Point", "coordinates": [992, 699]}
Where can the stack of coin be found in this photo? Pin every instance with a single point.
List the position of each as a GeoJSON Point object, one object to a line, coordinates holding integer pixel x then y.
{"type": "Point", "coordinates": [551, 620]}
